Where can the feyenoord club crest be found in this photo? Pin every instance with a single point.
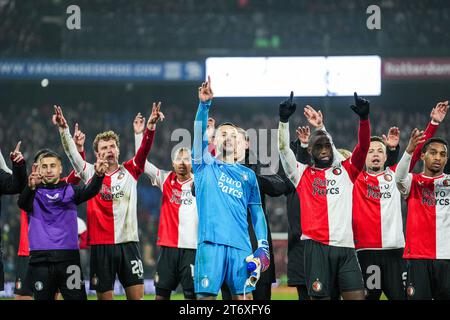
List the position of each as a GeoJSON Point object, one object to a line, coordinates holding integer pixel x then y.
{"type": "Point", "coordinates": [121, 175]}
{"type": "Point", "coordinates": [18, 284]}
{"type": "Point", "coordinates": [410, 291]}
{"type": "Point", "coordinates": [94, 280]}
{"type": "Point", "coordinates": [446, 182]}
{"type": "Point", "coordinates": [388, 177]}
{"type": "Point", "coordinates": [205, 282]}
{"type": "Point", "coordinates": [39, 285]}
{"type": "Point", "coordinates": [317, 286]}
{"type": "Point", "coordinates": [337, 171]}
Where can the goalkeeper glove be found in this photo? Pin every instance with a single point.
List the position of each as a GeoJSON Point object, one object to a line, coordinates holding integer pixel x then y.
{"type": "Point", "coordinates": [287, 108]}
{"type": "Point", "coordinates": [361, 107]}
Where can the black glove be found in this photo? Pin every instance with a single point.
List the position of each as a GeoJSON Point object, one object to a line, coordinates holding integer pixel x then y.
{"type": "Point", "coordinates": [287, 108]}
{"type": "Point", "coordinates": [361, 107]}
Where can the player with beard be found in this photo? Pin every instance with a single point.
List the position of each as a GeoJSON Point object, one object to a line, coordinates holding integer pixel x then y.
{"type": "Point", "coordinates": [178, 221]}
{"type": "Point", "coordinates": [51, 205]}
{"type": "Point", "coordinates": [112, 214]}
{"type": "Point", "coordinates": [225, 190]}
{"type": "Point", "coordinates": [325, 192]}
{"type": "Point", "coordinates": [273, 186]}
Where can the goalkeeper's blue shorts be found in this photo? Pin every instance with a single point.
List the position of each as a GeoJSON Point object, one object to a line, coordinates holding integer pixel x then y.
{"type": "Point", "coordinates": [217, 263]}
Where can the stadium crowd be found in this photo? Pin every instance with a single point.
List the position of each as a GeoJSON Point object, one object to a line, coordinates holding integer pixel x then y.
{"type": "Point", "coordinates": [143, 29]}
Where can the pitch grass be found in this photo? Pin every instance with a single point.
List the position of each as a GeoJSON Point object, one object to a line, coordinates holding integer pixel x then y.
{"type": "Point", "coordinates": [280, 293]}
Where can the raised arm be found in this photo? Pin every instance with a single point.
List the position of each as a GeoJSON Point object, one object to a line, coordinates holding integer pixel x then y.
{"type": "Point", "coordinates": [437, 115]}
{"type": "Point", "coordinates": [292, 168]}
{"type": "Point", "coordinates": [68, 143]}
{"type": "Point", "coordinates": [200, 152]}
{"type": "Point", "coordinates": [391, 141]}
{"type": "Point", "coordinates": [150, 170]}
{"type": "Point", "coordinates": [26, 198]}
{"type": "Point", "coordinates": [300, 146]}
{"type": "Point", "coordinates": [148, 136]}
{"type": "Point", "coordinates": [3, 164]}
{"type": "Point", "coordinates": [403, 178]}
{"type": "Point", "coordinates": [15, 182]}
{"type": "Point", "coordinates": [362, 109]}
{"type": "Point", "coordinates": [83, 194]}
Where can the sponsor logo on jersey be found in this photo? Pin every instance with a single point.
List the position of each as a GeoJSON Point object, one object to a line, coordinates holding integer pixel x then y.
{"type": "Point", "coordinates": [375, 192]}
{"type": "Point", "coordinates": [323, 187]}
{"type": "Point", "coordinates": [54, 197]}
{"type": "Point", "coordinates": [230, 186]}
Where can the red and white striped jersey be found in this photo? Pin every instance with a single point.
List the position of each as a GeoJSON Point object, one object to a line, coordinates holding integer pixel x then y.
{"type": "Point", "coordinates": [178, 221]}
{"type": "Point", "coordinates": [428, 220]}
{"type": "Point", "coordinates": [326, 204]}
{"type": "Point", "coordinates": [326, 195]}
{"type": "Point", "coordinates": [112, 213]}
{"type": "Point", "coordinates": [377, 213]}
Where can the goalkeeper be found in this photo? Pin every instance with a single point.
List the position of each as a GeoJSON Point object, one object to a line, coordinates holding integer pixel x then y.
{"type": "Point", "coordinates": [224, 190]}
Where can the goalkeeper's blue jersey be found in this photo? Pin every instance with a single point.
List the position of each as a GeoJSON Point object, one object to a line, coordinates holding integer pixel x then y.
{"type": "Point", "coordinates": [223, 194]}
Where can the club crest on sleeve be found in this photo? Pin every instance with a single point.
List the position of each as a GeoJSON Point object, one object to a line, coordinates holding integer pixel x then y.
{"type": "Point", "coordinates": [317, 286]}
{"type": "Point", "coordinates": [410, 291]}
{"type": "Point", "coordinates": [205, 282]}
{"type": "Point", "coordinates": [94, 280]}
{"type": "Point", "coordinates": [38, 285]}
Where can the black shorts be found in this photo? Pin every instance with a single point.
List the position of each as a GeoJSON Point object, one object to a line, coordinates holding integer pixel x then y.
{"type": "Point", "coordinates": [109, 260]}
{"type": "Point", "coordinates": [428, 279]}
{"type": "Point", "coordinates": [296, 263]}
{"type": "Point", "coordinates": [23, 282]}
{"type": "Point", "coordinates": [175, 266]}
{"type": "Point", "coordinates": [47, 278]}
{"type": "Point", "coordinates": [383, 271]}
{"type": "Point", "coordinates": [330, 267]}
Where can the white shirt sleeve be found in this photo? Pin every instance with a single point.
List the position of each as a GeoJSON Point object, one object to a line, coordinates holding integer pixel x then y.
{"type": "Point", "coordinates": [403, 178]}
{"type": "Point", "coordinates": [3, 164]}
{"type": "Point", "coordinates": [83, 169]}
{"type": "Point", "coordinates": [293, 169]}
